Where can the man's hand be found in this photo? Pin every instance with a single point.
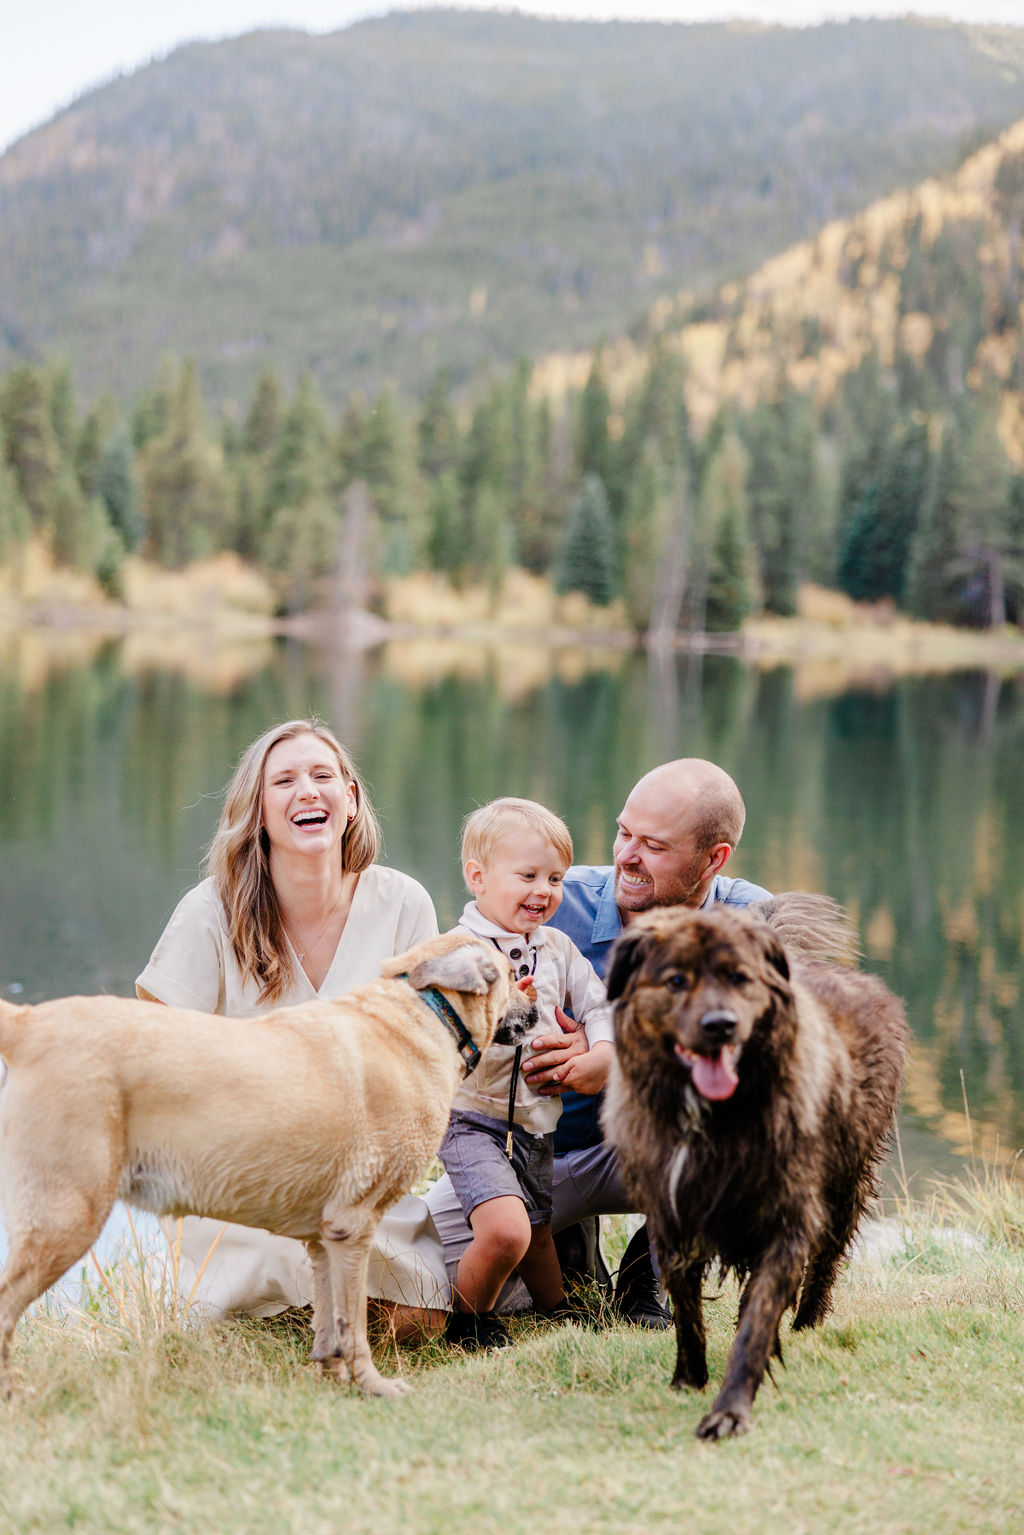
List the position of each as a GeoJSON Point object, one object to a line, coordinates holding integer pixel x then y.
{"type": "Point", "coordinates": [561, 1061]}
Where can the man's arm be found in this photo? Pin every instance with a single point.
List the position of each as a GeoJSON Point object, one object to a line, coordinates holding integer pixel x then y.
{"type": "Point", "coordinates": [563, 1061]}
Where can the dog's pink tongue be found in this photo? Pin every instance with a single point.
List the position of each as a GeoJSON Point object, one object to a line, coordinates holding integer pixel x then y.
{"type": "Point", "coordinates": [714, 1077]}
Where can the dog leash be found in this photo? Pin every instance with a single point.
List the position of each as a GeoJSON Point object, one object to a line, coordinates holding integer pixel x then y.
{"type": "Point", "coordinates": [442, 1008]}
{"type": "Point", "coordinates": [513, 1086]}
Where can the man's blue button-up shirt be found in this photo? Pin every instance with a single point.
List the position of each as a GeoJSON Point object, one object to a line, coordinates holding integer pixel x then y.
{"type": "Point", "coordinates": [589, 915]}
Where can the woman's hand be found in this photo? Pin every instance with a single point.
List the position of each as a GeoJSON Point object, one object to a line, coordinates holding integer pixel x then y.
{"type": "Point", "coordinates": [563, 1061]}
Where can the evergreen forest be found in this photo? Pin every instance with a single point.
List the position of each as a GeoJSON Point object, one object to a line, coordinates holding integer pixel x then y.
{"type": "Point", "coordinates": [850, 413]}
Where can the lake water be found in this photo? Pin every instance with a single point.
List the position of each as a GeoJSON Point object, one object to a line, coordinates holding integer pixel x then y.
{"type": "Point", "coordinates": [903, 799]}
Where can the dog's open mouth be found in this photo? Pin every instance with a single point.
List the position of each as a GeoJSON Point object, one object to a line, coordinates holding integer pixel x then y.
{"type": "Point", "coordinates": [714, 1076]}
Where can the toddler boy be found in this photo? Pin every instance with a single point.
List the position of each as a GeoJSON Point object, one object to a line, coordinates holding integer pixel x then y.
{"type": "Point", "coordinates": [498, 1149]}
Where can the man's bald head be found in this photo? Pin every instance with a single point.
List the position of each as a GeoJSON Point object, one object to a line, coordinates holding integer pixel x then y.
{"type": "Point", "coordinates": [677, 829]}
{"type": "Point", "coordinates": [699, 793]}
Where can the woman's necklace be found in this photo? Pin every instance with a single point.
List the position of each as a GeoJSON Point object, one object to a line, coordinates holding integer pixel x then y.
{"type": "Point", "coordinates": [311, 946]}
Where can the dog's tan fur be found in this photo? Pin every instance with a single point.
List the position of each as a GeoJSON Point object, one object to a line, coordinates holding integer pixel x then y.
{"type": "Point", "coordinates": [308, 1121]}
{"type": "Point", "coordinates": [751, 1100]}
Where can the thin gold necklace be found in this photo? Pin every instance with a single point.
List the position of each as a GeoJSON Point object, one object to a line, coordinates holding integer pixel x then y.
{"type": "Point", "coordinates": [311, 946]}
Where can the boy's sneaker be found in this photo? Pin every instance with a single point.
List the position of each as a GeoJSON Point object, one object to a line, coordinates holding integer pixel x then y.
{"type": "Point", "coordinates": [469, 1331]}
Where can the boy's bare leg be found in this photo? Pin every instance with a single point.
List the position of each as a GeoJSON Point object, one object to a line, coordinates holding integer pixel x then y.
{"type": "Point", "coordinates": [540, 1270]}
{"type": "Point", "coordinates": [501, 1238]}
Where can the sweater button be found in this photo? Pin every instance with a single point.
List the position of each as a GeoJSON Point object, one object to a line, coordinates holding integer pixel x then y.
{"type": "Point", "coordinates": [515, 953]}
{"type": "Point", "coordinates": [523, 970]}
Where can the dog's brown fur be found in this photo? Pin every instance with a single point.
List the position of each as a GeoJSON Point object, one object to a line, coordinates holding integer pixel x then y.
{"type": "Point", "coordinates": [308, 1121]}
{"type": "Point", "coordinates": [751, 1101]}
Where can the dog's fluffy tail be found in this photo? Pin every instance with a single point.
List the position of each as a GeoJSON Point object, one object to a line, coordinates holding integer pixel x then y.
{"type": "Point", "coordinates": [813, 926]}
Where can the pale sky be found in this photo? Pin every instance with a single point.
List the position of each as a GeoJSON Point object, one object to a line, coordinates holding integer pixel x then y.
{"type": "Point", "coordinates": [53, 50]}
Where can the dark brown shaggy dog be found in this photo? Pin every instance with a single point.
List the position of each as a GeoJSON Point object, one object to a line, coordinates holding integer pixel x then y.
{"type": "Point", "coordinates": [751, 1102]}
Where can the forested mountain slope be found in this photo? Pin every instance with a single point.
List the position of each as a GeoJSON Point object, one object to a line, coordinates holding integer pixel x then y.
{"type": "Point", "coordinates": [862, 396]}
{"type": "Point", "coordinates": [456, 188]}
{"type": "Point", "coordinates": [926, 284]}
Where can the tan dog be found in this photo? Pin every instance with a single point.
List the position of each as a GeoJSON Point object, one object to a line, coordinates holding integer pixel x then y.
{"type": "Point", "coordinates": [751, 1100]}
{"type": "Point", "coordinates": [309, 1121]}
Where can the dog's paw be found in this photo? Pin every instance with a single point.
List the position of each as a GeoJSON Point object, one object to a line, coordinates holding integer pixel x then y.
{"type": "Point", "coordinates": [334, 1366]}
{"type": "Point", "coordinates": [724, 1423]}
{"type": "Point", "coordinates": [692, 1377]}
{"type": "Point", "coordinates": [386, 1387]}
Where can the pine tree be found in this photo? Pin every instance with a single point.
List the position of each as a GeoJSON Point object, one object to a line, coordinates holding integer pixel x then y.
{"type": "Point", "coordinates": [300, 469]}
{"type": "Point", "coordinates": [348, 445]}
{"type": "Point", "coordinates": [116, 484]}
{"type": "Point", "coordinates": [586, 557]}
{"type": "Point", "coordinates": [29, 440]}
{"type": "Point", "coordinates": [594, 447]}
{"type": "Point", "coordinates": [92, 441]}
{"type": "Point", "coordinates": [874, 551]}
{"type": "Point", "coordinates": [263, 422]}
{"type": "Point", "coordinates": [485, 484]}
{"type": "Point", "coordinates": [101, 549]}
{"type": "Point", "coordinates": [656, 415]}
{"type": "Point", "coordinates": [730, 592]}
{"type": "Point", "coordinates": [979, 498]}
{"type": "Point", "coordinates": [781, 439]}
{"type": "Point", "coordinates": [491, 539]}
{"type": "Point", "coordinates": [63, 411]}
{"type": "Point", "coordinates": [437, 430]}
{"type": "Point", "coordinates": [929, 583]}
{"type": "Point", "coordinates": [301, 544]}
{"type": "Point", "coordinates": [66, 520]}
{"type": "Point", "coordinates": [644, 528]}
{"type": "Point", "coordinates": [388, 469]}
{"type": "Point", "coordinates": [726, 588]}
{"type": "Point", "coordinates": [446, 527]}
{"type": "Point", "coordinates": [528, 506]}
{"type": "Point", "coordinates": [153, 407]}
{"type": "Point", "coordinates": [184, 490]}
{"type": "Point", "coordinates": [15, 522]}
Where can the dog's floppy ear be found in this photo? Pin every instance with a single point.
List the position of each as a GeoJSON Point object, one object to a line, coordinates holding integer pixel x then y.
{"type": "Point", "coordinates": [628, 952]}
{"type": "Point", "coordinates": [467, 968]}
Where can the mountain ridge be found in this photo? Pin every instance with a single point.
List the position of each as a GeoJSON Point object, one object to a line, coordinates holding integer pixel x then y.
{"type": "Point", "coordinates": [452, 188]}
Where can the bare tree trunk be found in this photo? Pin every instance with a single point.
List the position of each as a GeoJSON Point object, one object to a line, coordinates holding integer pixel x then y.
{"type": "Point", "coordinates": [351, 576]}
{"type": "Point", "coordinates": [996, 589]}
{"type": "Point", "coordinates": [670, 584]}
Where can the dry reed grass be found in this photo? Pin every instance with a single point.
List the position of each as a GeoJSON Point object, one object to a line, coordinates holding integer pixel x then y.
{"type": "Point", "coordinates": [902, 1413]}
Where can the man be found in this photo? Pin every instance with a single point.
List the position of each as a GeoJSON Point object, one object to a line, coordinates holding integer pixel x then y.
{"type": "Point", "coordinates": [677, 830]}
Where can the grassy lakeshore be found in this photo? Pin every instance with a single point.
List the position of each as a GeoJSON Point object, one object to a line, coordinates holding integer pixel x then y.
{"type": "Point", "coordinates": [902, 1414]}
{"type": "Point", "coordinates": [833, 639]}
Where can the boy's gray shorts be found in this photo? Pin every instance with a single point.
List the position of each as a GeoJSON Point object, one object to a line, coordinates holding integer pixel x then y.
{"type": "Point", "coordinates": [473, 1153]}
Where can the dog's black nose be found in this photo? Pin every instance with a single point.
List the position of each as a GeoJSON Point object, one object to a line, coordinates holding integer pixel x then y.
{"type": "Point", "coordinates": [718, 1027]}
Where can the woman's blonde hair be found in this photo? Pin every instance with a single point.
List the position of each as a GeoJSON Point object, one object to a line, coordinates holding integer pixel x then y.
{"type": "Point", "coordinates": [485, 829]}
{"type": "Point", "coordinates": [238, 860]}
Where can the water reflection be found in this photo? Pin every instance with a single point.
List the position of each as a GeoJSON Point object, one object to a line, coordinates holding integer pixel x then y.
{"type": "Point", "coordinates": [899, 798]}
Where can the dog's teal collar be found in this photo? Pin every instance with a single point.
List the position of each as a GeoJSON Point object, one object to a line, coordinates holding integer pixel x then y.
{"type": "Point", "coordinates": [439, 1004]}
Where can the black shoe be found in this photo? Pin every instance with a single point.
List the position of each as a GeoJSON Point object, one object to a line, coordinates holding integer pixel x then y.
{"type": "Point", "coordinates": [579, 1254]}
{"type": "Point", "coordinates": [469, 1331]}
{"type": "Point", "coordinates": [638, 1295]}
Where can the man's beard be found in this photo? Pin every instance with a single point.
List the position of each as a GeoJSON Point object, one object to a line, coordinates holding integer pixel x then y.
{"type": "Point", "coordinates": [678, 892]}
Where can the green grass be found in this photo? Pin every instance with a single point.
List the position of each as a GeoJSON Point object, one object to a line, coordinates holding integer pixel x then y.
{"type": "Point", "coordinates": [903, 1413]}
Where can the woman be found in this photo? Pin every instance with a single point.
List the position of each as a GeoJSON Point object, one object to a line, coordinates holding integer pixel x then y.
{"type": "Point", "coordinates": [294, 907]}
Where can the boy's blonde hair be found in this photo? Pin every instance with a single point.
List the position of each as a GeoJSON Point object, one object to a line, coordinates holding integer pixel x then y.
{"type": "Point", "coordinates": [484, 830]}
